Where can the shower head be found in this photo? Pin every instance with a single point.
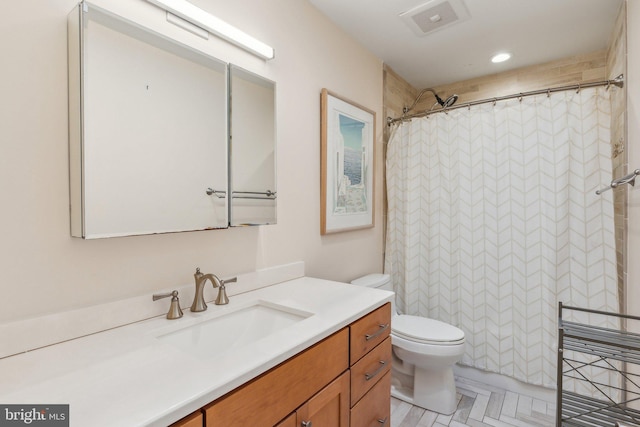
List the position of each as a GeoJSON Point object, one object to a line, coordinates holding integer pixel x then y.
{"type": "Point", "coordinates": [449, 101]}
{"type": "Point", "coordinates": [444, 104]}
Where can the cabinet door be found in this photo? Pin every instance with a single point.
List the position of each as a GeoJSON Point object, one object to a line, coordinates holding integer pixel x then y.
{"type": "Point", "coordinates": [328, 408]}
{"type": "Point", "coordinates": [194, 420]}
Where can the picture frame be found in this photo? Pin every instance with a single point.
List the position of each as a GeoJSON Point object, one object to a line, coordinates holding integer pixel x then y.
{"type": "Point", "coordinates": [347, 135]}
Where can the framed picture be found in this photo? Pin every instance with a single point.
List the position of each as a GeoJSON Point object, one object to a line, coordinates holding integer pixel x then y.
{"type": "Point", "coordinates": [347, 164]}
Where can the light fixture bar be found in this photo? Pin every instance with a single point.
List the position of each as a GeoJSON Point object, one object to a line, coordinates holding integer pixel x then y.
{"type": "Point", "coordinates": [205, 20]}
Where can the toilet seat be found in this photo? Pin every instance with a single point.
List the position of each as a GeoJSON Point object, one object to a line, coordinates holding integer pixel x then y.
{"type": "Point", "coordinates": [426, 331]}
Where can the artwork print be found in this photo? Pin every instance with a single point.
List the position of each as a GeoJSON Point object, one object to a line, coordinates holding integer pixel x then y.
{"type": "Point", "coordinates": [347, 135]}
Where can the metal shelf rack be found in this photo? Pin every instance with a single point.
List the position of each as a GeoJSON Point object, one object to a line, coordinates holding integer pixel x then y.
{"type": "Point", "coordinates": [584, 349]}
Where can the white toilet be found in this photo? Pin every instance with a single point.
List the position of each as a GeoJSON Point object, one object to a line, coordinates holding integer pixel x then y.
{"type": "Point", "coordinates": [424, 352]}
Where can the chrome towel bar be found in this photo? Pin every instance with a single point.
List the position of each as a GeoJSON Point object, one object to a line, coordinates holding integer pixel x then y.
{"type": "Point", "coordinates": [628, 179]}
{"type": "Point", "coordinates": [257, 195]}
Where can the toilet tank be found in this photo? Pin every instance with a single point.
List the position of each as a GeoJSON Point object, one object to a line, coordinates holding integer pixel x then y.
{"type": "Point", "coordinates": [377, 280]}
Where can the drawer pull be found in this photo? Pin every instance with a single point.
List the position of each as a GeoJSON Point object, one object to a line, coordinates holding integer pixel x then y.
{"type": "Point", "coordinates": [306, 424]}
{"type": "Point", "coordinates": [383, 364]}
{"type": "Point", "coordinates": [383, 422]}
{"type": "Point", "coordinates": [378, 332]}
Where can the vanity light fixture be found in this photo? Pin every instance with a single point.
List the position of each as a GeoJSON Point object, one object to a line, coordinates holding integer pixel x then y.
{"type": "Point", "coordinates": [216, 26]}
{"type": "Point", "coordinates": [500, 57]}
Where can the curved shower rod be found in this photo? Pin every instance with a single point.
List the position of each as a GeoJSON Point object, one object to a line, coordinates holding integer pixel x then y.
{"type": "Point", "coordinates": [618, 81]}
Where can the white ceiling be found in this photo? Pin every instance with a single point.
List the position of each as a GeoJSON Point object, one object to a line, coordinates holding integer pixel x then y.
{"type": "Point", "coordinates": [534, 31]}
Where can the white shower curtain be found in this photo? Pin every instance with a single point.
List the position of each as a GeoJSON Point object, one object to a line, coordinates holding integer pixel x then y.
{"type": "Point", "coordinates": [493, 219]}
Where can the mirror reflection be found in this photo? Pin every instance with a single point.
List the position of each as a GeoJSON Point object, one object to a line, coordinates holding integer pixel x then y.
{"type": "Point", "coordinates": [163, 138]}
{"type": "Point", "coordinates": [153, 135]}
{"type": "Point", "coordinates": [252, 148]}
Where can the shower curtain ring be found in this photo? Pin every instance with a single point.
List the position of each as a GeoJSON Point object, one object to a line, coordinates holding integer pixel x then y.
{"type": "Point", "coordinates": [520, 97]}
{"type": "Point", "coordinates": [579, 87]}
{"type": "Point", "coordinates": [548, 93]}
{"type": "Point", "coordinates": [495, 100]}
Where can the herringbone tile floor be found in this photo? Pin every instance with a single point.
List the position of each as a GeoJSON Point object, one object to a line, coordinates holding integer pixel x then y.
{"type": "Point", "coordinates": [479, 406]}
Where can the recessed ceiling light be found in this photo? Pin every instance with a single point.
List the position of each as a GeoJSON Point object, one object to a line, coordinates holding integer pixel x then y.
{"type": "Point", "coordinates": [501, 57]}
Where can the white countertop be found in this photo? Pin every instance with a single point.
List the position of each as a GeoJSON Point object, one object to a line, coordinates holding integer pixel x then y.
{"type": "Point", "coordinates": [126, 376]}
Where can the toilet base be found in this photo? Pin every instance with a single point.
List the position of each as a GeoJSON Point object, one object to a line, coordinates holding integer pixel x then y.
{"type": "Point", "coordinates": [402, 393]}
{"type": "Point", "coordinates": [436, 390]}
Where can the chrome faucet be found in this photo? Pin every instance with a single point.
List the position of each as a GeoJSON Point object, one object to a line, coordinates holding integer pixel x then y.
{"type": "Point", "coordinates": [201, 279]}
{"type": "Point", "coordinates": [198, 298]}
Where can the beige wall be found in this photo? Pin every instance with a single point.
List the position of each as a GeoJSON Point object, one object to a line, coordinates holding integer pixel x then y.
{"type": "Point", "coordinates": [44, 270]}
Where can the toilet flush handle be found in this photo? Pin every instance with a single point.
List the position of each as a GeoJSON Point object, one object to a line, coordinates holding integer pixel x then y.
{"type": "Point", "coordinates": [383, 421]}
{"type": "Point", "coordinates": [378, 332]}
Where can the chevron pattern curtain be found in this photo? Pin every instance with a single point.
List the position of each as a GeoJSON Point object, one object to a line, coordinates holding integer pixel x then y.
{"type": "Point", "coordinates": [493, 219]}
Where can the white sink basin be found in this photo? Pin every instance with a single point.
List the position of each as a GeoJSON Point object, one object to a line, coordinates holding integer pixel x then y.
{"type": "Point", "coordinates": [234, 329]}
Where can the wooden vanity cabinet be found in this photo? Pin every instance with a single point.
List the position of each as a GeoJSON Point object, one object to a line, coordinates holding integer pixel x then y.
{"type": "Point", "coordinates": [342, 381]}
{"type": "Point", "coordinates": [370, 366]}
{"type": "Point", "coordinates": [268, 399]}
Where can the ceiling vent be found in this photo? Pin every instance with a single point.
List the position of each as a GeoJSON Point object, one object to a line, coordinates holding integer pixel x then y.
{"type": "Point", "coordinates": [435, 15]}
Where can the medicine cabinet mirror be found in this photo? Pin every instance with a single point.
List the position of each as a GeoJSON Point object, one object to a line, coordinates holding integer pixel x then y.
{"type": "Point", "coordinates": [252, 148]}
{"type": "Point", "coordinates": [149, 137]}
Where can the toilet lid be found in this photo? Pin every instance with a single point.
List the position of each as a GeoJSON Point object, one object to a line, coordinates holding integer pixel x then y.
{"type": "Point", "coordinates": [425, 330]}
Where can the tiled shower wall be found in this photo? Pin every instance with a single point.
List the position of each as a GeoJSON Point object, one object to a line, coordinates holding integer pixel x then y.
{"type": "Point", "coordinates": [616, 64]}
{"type": "Point", "coordinates": [397, 93]}
{"type": "Point", "coordinates": [601, 65]}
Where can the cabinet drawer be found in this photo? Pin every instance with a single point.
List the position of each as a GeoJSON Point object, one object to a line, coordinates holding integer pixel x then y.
{"type": "Point", "coordinates": [368, 370]}
{"type": "Point", "coordinates": [272, 396]}
{"type": "Point", "coordinates": [369, 331]}
{"type": "Point", "coordinates": [374, 409]}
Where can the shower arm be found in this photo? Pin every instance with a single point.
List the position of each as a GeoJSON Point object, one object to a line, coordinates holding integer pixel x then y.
{"type": "Point", "coordinates": [405, 110]}
{"type": "Point", "coordinates": [443, 104]}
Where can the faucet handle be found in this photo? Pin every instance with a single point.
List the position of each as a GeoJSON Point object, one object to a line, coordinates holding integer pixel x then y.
{"type": "Point", "coordinates": [232, 280]}
{"type": "Point", "coordinates": [222, 298]}
{"type": "Point", "coordinates": [175, 312]}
